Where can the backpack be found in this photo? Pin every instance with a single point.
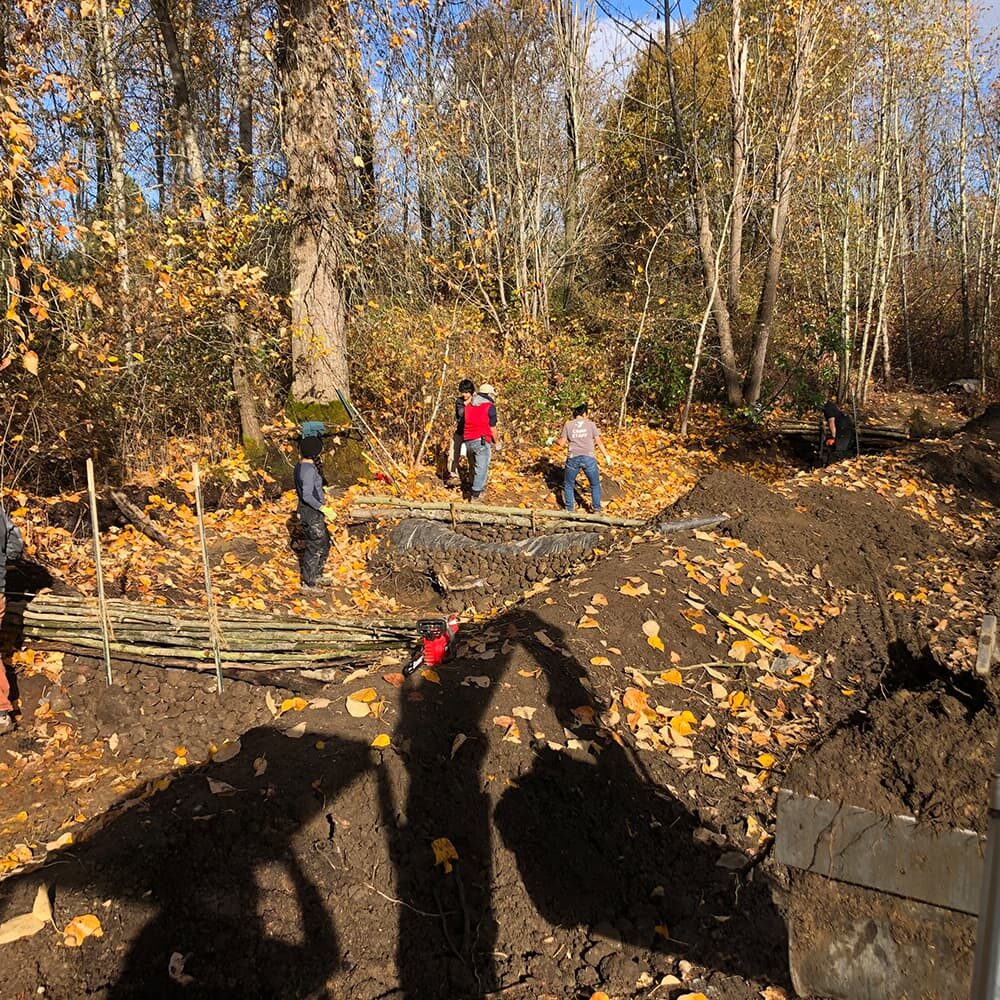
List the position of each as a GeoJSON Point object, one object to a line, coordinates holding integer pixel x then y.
{"type": "Point", "coordinates": [312, 428]}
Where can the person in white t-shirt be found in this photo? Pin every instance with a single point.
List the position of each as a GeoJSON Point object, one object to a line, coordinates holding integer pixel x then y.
{"type": "Point", "coordinates": [582, 438]}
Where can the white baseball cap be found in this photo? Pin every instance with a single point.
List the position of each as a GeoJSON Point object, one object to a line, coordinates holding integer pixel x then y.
{"type": "Point", "coordinates": [487, 390]}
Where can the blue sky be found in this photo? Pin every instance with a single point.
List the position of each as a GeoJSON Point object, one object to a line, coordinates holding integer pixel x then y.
{"type": "Point", "coordinates": [612, 47]}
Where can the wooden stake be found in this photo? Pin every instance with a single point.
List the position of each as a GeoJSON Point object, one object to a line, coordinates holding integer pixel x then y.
{"type": "Point", "coordinates": [96, 534]}
{"type": "Point", "coordinates": [213, 618]}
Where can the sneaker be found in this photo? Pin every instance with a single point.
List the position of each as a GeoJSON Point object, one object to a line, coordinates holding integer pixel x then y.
{"type": "Point", "coordinates": [6, 722]}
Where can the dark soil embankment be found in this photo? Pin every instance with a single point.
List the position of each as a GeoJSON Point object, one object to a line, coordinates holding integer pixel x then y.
{"type": "Point", "coordinates": [969, 461]}
{"type": "Point", "coordinates": [590, 856]}
{"type": "Point", "coordinates": [849, 536]}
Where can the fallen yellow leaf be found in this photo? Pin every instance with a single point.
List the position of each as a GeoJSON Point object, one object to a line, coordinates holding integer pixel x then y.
{"type": "Point", "coordinates": [444, 853]}
{"type": "Point", "coordinates": [635, 700]}
{"type": "Point", "coordinates": [600, 661]}
{"type": "Point", "coordinates": [656, 642]}
{"type": "Point", "coordinates": [741, 649]}
{"type": "Point", "coordinates": [381, 741]}
{"type": "Point", "coordinates": [430, 675]}
{"type": "Point", "coordinates": [684, 723]}
{"type": "Point", "coordinates": [672, 676]}
{"type": "Point", "coordinates": [364, 695]}
{"type": "Point", "coordinates": [587, 622]}
{"type": "Point", "coordinates": [292, 705]}
{"type": "Point", "coordinates": [766, 759]}
{"type": "Point", "coordinates": [80, 928]}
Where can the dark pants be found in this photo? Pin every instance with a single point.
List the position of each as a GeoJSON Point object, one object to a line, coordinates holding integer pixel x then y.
{"type": "Point", "coordinates": [316, 536]}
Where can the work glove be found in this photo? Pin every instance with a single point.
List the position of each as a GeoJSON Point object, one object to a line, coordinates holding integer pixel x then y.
{"type": "Point", "coordinates": [830, 442]}
{"type": "Point", "coordinates": [550, 440]}
{"type": "Point", "coordinates": [329, 513]}
{"type": "Point", "coordinates": [607, 461]}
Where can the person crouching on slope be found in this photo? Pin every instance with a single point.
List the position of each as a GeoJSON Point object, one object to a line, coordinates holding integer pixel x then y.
{"type": "Point", "coordinates": [313, 513]}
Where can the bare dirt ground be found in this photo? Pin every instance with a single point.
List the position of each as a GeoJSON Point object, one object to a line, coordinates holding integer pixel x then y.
{"type": "Point", "coordinates": [581, 801]}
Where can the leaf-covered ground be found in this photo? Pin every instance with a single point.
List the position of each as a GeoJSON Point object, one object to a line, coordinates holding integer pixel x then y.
{"type": "Point", "coordinates": [602, 758]}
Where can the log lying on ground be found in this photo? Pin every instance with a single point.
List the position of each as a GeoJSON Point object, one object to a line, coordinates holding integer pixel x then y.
{"type": "Point", "coordinates": [384, 508]}
{"type": "Point", "coordinates": [388, 507]}
{"type": "Point", "coordinates": [249, 640]}
{"type": "Point", "coordinates": [139, 519]}
{"type": "Point", "coordinates": [868, 433]}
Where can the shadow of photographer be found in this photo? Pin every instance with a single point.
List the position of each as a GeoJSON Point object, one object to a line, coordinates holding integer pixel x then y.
{"type": "Point", "coordinates": [596, 843]}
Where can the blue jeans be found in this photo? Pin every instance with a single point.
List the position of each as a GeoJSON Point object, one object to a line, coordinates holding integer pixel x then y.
{"type": "Point", "coordinates": [589, 466]}
{"type": "Point", "coordinates": [479, 453]}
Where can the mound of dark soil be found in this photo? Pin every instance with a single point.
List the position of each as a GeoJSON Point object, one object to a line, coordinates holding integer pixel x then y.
{"type": "Point", "coordinates": [850, 536]}
{"type": "Point", "coordinates": [313, 863]}
{"type": "Point", "coordinates": [970, 460]}
{"type": "Point", "coordinates": [923, 746]}
{"type": "Point", "coordinates": [987, 425]}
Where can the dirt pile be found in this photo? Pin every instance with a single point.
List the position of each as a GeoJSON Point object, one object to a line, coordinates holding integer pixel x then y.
{"type": "Point", "coordinates": [924, 748]}
{"type": "Point", "coordinates": [473, 567]}
{"type": "Point", "coordinates": [850, 536]}
{"type": "Point", "coordinates": [582, 800]}
{"type": "Point", "coordinates": [970, 460]}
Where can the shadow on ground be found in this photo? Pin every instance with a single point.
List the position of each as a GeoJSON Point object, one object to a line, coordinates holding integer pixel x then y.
{"type": "Point", "coordinates": [282, 871]}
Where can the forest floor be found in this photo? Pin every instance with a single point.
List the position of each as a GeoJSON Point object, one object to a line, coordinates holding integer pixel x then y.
{"type": "Point", "coordinates": [581, 802]}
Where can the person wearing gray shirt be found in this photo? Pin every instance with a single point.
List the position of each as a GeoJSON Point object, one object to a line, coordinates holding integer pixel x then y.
{"type": "Point", "coordinates": [581, 436]}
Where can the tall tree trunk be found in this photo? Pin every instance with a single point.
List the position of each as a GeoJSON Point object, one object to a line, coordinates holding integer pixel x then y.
{"type": "Point", "coordinates": [572, 29]}
{"type": "Point", "coordinates": [698, 195]}
{"type": "Point", "coordinates": [182, 106]}
{"type": "Point", "coordinates": [313, 97]}
{"type": "Point", "coordinates": [15, 248]}
{"type": "Point", "coordinates": [963, 190]}
{"type": "Point", "coordinates": [738, 57]}
{"type": "Point", "coordinates": [784, 174]}
{"type": "Point", "coordinates": [111, 109]}
{"type": "Point", "coordinates": [363, 136]}
{"type": "Point", "coordinates": [233, 321]}
{"type": "Point", "coordinates": [244, 100]}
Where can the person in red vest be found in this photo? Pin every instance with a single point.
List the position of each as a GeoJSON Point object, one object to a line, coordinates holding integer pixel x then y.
{"type": "Point", "coordinates": [479, 435]}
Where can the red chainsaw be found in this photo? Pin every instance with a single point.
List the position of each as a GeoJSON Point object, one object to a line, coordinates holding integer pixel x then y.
{"type": "Point", "coordinates": [437, 643]}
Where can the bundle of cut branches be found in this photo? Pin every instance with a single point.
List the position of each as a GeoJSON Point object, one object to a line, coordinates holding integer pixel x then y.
{"type": "Point", "coordinates": [248, 640]}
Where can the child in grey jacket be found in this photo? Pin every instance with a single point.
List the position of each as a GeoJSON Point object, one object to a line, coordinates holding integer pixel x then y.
{"type": "Point", "coordinates": [313, 513]}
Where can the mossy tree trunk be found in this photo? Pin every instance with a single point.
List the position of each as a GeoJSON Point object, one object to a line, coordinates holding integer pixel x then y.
{"type": "Point", "coordinates": [315, 94]}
